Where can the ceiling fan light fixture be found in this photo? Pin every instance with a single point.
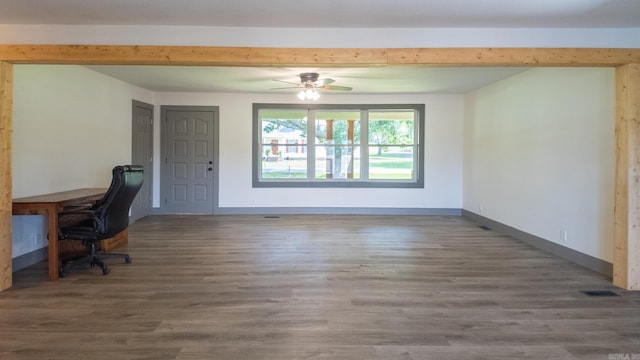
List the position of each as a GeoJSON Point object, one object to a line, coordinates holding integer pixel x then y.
{"type": "Point", "coordinates": [308, 94]}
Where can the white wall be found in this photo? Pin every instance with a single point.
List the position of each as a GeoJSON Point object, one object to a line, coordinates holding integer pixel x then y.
{"type": "Point", "coordinates": [443, 163]}
{"type": "Point", "coordinates": [71, 125]}
{"type": "Point", "coordinates": [539, 155]}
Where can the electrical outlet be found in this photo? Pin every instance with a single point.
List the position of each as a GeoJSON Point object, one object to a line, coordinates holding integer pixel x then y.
{"type": "Point", "coordinates": [563, 235]}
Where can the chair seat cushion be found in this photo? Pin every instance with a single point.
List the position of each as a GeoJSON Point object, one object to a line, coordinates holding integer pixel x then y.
{"type": "Point", "coordinates": [81, 232]}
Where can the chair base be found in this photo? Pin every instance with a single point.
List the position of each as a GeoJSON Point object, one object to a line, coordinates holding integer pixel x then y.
{"type": "Point", "coordinates": [94, 260]}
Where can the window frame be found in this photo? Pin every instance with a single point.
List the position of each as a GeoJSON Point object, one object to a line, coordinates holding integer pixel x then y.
{"type": "Point", "coordinates": [419, 155]}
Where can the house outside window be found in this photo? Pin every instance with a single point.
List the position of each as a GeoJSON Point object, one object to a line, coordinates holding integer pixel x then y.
{"type": "Point", "coordinates": [322, 145]}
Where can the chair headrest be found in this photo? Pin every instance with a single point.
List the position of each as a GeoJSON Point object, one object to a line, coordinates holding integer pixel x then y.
{"type": "Point", "coordinates": [130, 167]}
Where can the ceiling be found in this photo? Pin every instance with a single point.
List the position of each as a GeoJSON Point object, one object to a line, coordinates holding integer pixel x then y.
{"type": "Point", "coordinates": [285, 14]}
{"type": "Point", "coordinates": [328, 13]}
{"type": "Point", "coordinates": [376, 80]}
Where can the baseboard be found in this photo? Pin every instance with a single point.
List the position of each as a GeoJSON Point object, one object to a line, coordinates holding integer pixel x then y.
{"type": "Point", "coordinates": [587, 261]}
{"type": "Point", "coordinates": [327, 211]}
{"type": "Point", "coordinates": [336, 211]}
{"type": "Point", "coordinates": [30, 258]}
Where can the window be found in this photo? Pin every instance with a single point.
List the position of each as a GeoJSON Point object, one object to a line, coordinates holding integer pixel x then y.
{"type": "Point", "coordinates": [322, 145]}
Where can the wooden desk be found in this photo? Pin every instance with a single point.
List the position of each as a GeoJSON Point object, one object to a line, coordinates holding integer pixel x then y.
{"type": "Point", "coordinates": [50, 205]}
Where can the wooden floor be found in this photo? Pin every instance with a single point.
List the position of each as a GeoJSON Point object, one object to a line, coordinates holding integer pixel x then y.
{"type": "Point", "coordinates": [319, 287]}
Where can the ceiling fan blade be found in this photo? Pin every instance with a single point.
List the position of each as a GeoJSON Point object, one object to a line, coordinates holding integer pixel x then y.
{"type": "Point", "coordinates": [287, 82]}
{"type": "Point", "coordinates": [334, 87]}
{"type": "Point", "coordinates": [323, 82]}
{"type": "Point", "coordinates": [282, 88]}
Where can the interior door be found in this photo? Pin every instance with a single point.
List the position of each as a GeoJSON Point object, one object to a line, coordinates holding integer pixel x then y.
{"type": "Point", "coordinates": [187, 159]}
{"type": "Point", "coordinates": [142, 154]}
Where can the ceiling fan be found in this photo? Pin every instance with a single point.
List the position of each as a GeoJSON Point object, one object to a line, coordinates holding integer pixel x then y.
{"type": "Point", "coordinates": [310, 83]}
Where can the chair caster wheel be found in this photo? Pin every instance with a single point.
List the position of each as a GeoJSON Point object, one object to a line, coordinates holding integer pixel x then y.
{"type": "Point", "coordinates": [127, 259]}
{"type": "Point", "coordinates": [62, 274]}
{"type": "Point", "coordinates": [105, 270]}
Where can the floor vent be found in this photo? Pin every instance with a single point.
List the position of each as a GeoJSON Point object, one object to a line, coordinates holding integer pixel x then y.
{"type": "Point", "coordinates": [483, 227]}
{"type": "Point", "coordinates": [272, 217]}
{"type": "Point", "coordinates": [599, 293]}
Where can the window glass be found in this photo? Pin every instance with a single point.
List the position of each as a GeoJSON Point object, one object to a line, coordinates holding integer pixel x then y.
{"type": "Point", "coordinates": [337, 135]}
{"type": "Point", "coordinates": [318, 145]}
{"type": "Point", "coordinates": [283, 145]}
{"type": "Point", "coordinates": [391, 145]}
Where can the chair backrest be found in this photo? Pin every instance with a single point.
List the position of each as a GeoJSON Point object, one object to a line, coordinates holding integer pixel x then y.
{"type": "Point", "coordinates": [112, 211]}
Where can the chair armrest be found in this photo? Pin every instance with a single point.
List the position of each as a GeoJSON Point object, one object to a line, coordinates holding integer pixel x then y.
{"type": "Point", "coordinates": [75, 208]}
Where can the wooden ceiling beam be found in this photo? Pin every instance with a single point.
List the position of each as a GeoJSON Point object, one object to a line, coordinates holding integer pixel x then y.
{"type": "Point", "coordinates": [515, 56]}
{"type": "Point", "coordinates": [189, 55]}
{"type": "Point", "coordinates": [324, 57]}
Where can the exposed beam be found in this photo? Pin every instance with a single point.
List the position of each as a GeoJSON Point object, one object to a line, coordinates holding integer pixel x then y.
{"type": "Point", "coordinates": [626, 262]}
{"type": "Point", "coordinates": [251, 56]}
{"type": "Point", "coordinates": [189, 55]}
{"type": "Point", "coordinates": [6, 104]}
{"type": "Point", "coordinates": [515, 56]}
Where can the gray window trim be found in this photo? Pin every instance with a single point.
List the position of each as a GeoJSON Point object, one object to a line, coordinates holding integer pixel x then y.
{"type": "Point", "coordinates": [363, 183]}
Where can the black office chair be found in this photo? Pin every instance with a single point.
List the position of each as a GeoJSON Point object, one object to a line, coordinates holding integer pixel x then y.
{"type": "Point", "coordinates": [107, 217]}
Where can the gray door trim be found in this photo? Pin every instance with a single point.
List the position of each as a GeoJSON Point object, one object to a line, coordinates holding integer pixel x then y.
{"type": "Point", "coordinates": [216, 150]}
{"type": "Point", "coordinates": [134, 151]}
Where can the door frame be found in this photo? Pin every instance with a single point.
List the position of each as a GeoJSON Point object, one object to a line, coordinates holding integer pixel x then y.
{"type": "Point", "coordinates": [216, 150]}
{"type": "Point", "coordinates": [148, 170]}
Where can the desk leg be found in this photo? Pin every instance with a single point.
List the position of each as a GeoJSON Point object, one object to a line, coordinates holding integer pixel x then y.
{"type": "Point", "coordinates": [52, 238]}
